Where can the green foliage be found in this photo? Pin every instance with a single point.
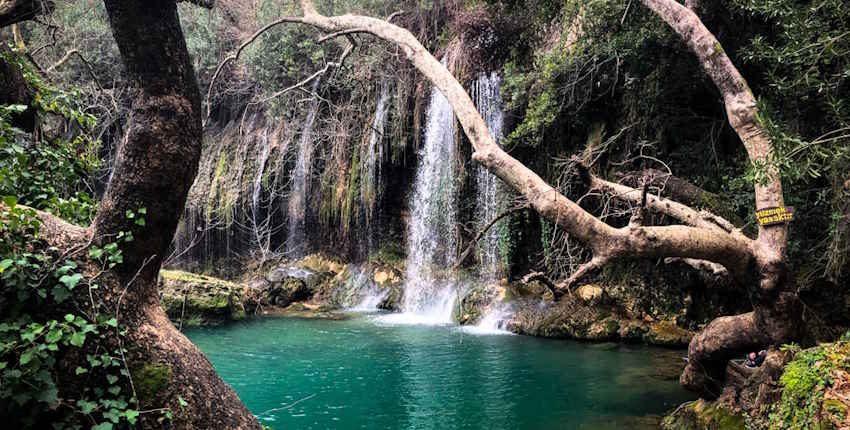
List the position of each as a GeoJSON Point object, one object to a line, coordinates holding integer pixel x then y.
{"type": "Point", "coordinates": [50, 317]}
{"type": "Point", "coordinates": [805, 380]}
{"type": "Point", "coordinates": [48, 175]}
{"type": "Point", "coordinates": [33, 344]}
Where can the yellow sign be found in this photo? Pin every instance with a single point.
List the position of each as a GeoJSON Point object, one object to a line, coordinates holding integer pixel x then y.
{"type": "Point", "coordinates": [773, 216]}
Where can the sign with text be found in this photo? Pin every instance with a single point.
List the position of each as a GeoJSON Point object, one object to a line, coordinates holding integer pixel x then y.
{"type": "Point", "coordinates": [773, 216]}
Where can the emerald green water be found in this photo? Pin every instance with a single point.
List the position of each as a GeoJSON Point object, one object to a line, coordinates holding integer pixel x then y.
{"type": "Point", "coordinates": [363, 374]}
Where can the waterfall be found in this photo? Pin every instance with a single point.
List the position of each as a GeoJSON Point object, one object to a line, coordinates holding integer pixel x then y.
{"type": "Point", "coordinates": [430, 293]}
{"type": "Point", "coordinates": [296, 238]}
{"type": "Point", "coordinates": [258, 179]}
{"type": "Point", "coordinates": [493, 321]}
{"type": "Point", "coordinates": [490, 200]}
{"type": "Point", "coordinates": [370, 175]}
{"type": "Point", "coordinates": [362, 291]}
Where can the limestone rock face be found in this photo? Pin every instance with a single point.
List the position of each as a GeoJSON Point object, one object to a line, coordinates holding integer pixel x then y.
{"type": "Point", "coordinates": [590, 294]}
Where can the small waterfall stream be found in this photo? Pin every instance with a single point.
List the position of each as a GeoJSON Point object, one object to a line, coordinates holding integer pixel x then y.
{"type": "Point", "coordinates": [297, 210]}
{"type": "Point", "coordinates": [490, 199]}
{"type": "Point", "coordinates": [258, 179]}
{"type": "Point", "coordinates": [370, 175]}
{"type": "Point", "coordinates": [430, 292]}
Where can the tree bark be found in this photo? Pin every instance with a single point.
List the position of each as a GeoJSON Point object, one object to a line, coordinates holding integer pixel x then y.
{"type": "Point", "coordinates": [155, 166]}
{"type": "Point", "coordinates": [777, 312]}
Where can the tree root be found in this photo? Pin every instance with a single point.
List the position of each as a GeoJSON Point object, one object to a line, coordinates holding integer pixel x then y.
{"type": "Point", "coordinates": [711, 349]}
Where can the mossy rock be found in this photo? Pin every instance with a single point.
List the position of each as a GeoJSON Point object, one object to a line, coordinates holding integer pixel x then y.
{"type": "Point", "coordinates": [193, 299]}
{"type": "Point", "coordinates": [320, 263]}
{"type": "Point", "coordinates": [603, 330]}
{"type": "Point", "coordinates": [704, 415]}
{"type": "Point", "coordinates": [632, 331]}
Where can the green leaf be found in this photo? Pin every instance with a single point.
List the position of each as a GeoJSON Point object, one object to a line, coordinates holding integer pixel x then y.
{"type": "Point", "coordinates": [95, 252]}
{"type": "Point", "coordinates": [112, 322]}
{"type": "Point", "coordinates": [114, 390]}
{"type": "Point", "coordinates": [69, 318]}
{"type": "Point", "coordinates": [103, 426]}
{"type": "Point", "coordinates": [54, 336]}
{"type": "Point", "coordinates": [26, 357]}
{"type": "Point", "coordinates": [78, 339]}
{"type": "Point", "coordinates": [10, 201]}
{"type": "Point", "coordinates": [60, 293]}
{"type": "Point", "coordinates": [18, 108]}
{"type": "Point", "coordinates": [131, 415]}
{"type": "Point", "coordinates": [182, 402]}
{"type": "Point", "coordinates": [80, 370]}
{"type": "Point", "coordinates": [86, 407]}
{"type": "Point", "coordinates": [71, 281]}
{"type": "Point", "coordinates": [49, 396]}
{"type": "Point", "coordinates": [112, 379]}
{"type": "Point", "coordinates": [5, 264]}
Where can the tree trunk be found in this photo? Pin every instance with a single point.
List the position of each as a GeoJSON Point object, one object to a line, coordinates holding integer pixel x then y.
{"type": "Point", "coordinates": [155, 166]}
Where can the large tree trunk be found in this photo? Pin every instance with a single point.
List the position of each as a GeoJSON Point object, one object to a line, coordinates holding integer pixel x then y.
{"type": "Point", "coordinates": [155, 166]}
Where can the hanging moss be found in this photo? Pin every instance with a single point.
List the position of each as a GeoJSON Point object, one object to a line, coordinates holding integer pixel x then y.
{"type": "Point", "coordinates": [353, 191]}
{"type": "Point", "coordinates": [214, 184]}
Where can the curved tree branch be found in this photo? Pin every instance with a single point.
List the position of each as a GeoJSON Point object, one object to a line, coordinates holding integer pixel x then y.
{"type": "Point", "coordinates": [741, 111]}
{"type": "Point", "coordinates": [471, 246]}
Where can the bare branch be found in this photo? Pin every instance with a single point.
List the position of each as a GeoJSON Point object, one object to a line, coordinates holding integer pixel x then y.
{"type": "Point", "coordinates": [585, 269]}
{"type": "Point", "coordinates": [471, 246]}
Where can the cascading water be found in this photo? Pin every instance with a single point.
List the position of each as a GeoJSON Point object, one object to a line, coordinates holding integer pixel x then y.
{"type": "Point", "coordinates": [493, 321]}
{"type": "Point", "coordinates": [430, 292]}
{"type": "Point", "coordinates": [370, 175]}
{"type": "Point", "coordinates": [258, 178]}
{"type": "Point", "coordinates": [296, 238]}
{"type": "Point", "coordinates": [490, 200]}
{"type": "Point", "coordinates": [363, 293]}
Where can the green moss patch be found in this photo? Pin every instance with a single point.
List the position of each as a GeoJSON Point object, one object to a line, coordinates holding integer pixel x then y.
{"type": "Point", "coordinates": [815, 389]}
{"type": "Point", "coordinates": [150, 379]}
{"type": "Point", "coordinates": [704, 415]}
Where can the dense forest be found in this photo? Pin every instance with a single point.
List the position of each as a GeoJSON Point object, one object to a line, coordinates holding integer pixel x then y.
{"type": "Point", "coordinates": [195, 194]}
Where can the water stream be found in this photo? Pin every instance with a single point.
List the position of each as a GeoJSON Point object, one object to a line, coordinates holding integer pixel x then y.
{"type": "Point", "coordinates": [364, 374]}
{"type": "Point", "coordinates": [370, 175]}
{"type": "Point", "coordinates": [258, 178]}
{"type": "Point", "coordinates": [430, 292]}
{"type": "Point", "coordinates": [297, 206]}
{"type": "Point", "coordinates": [490, 199]}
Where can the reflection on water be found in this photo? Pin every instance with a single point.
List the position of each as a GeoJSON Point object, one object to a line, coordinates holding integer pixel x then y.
{"type": "Point", "coordinates": [358, 373]}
